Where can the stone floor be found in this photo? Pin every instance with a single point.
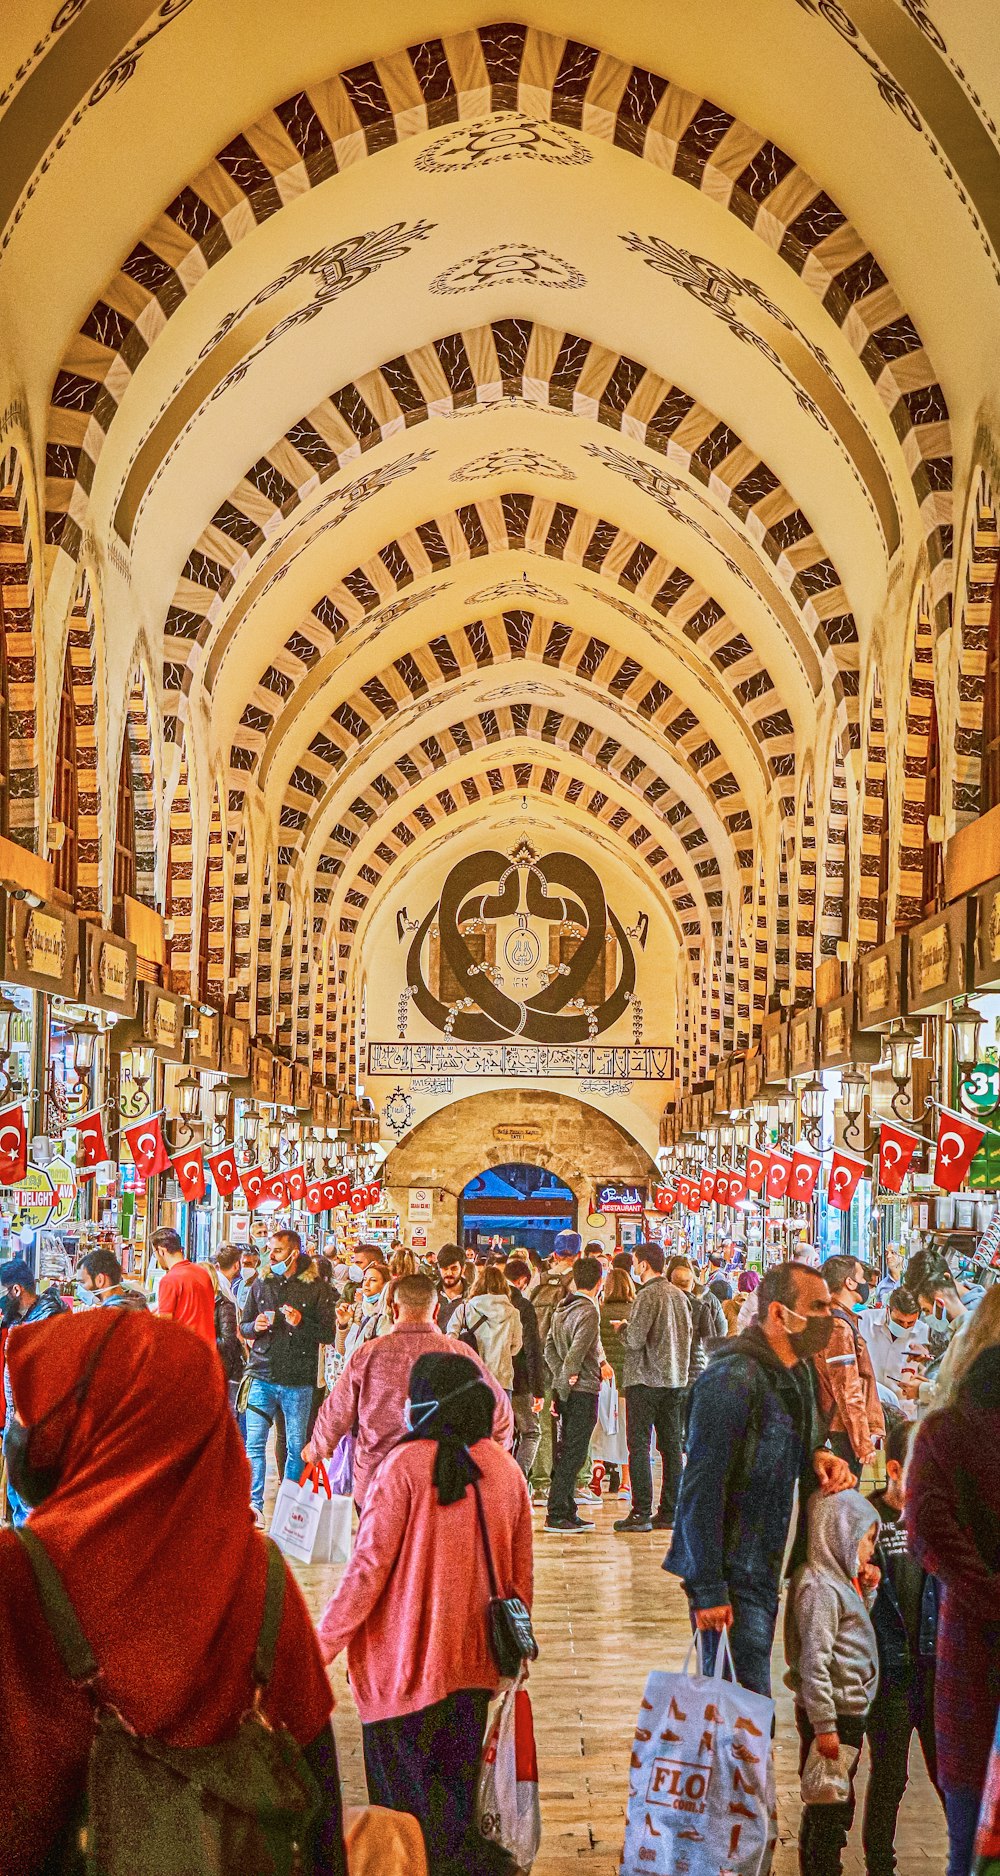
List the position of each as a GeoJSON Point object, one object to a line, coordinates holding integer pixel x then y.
{"type": "Point", "coordinates": [604, 1614]}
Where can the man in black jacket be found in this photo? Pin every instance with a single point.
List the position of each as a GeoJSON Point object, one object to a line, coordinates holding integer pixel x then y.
{"type": "Point", "coordinates": [286, 1316]}
{"type": "Point", "coordinates": [527, 1397]}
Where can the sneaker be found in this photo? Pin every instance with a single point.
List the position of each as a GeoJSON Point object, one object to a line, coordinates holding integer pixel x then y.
{"type": "Point", "coordinates": [539, 1498]}
{"type": "Point", "coordinates": [634, 1522]}
{"type": "Point", "coordinates": [663, 1521]}
{"type": "Point", "coordinates": [566, 1527]}
{"type": "Point", "coordinates": [587, 1497]}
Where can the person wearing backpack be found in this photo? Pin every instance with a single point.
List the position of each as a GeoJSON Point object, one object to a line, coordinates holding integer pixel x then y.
{"type": "Point", "coordinates": [490, 1323]}
{"type": "Point", "coordinates": [144, 1566]}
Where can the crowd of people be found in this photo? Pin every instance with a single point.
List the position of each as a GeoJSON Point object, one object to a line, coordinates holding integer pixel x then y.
{"type": "Point", "coordinates": [825, 1425]}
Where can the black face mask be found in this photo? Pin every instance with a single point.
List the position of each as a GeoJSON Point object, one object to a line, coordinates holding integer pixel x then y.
{"type": "Point", "coordinates": [34, 1484]}
{"type": "Point", "coordinates": [864, 1291]}
{"type": "Point", "coordinates": [9, 1310]}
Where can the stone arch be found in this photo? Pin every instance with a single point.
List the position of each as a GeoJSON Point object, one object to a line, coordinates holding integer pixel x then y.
{"type": "Point", "coordinates": [17, 620]}
{"type": "Point", "coordinates": [138, 734]}
{"type": "Point", "coordinates": [874, 873]}
{"type": "Point", "coordinates": [920, 711]}
{"type": "Point", "coordinates": [81, 651]}
{"type": "Point", "coordinates": [575, 1135]}
{"type": "Point", "coordinates": [981, 559]}
{"type": "Point", "coordinates": [805, 896]}
{"type": "Point", "coordinates": [179, 889]}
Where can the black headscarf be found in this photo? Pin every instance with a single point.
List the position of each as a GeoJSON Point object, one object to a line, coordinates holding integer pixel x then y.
{"type": "Point", "coordinates": [463, 1413]}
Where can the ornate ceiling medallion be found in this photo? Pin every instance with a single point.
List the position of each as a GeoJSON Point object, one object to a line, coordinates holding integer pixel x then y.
{"type": "Point", "coordinates": [503, 138]}
{"type": "Point", "coordinates": [510, 261]}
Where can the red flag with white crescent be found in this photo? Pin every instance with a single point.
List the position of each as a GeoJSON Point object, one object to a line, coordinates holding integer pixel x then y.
{"type": "Point", "coordinates": [314, 1200]}
{"type": "Point", "coordinates": [274, 1190]}
{"type": "Point", "coordinates": [358, 1198]}
{"type": "Point", "coordinates": [896, 1147]}
{"type": "Point", "coordinates": [708, 1179]}
{"type": "Point", "coordinates": [252, 1183]}
{"type": "Point", "coordinates": [779, 1172]}
{"type": "Point", "coordinates": [722, 1179]}
{"type": "Point", "coordinates": [14, 1145]}
{"type": "Point", "coordinates": [148, 1147]}
{"type": "Point", "coordinates": [737, 1187]}
{"type": "Point", "coordinates": [757, 1168]}
{"type": "Point", "coordinates": [845, 1172]}
{"type": "Point", "coordinates": [189, 1168]}
{"type": "Point", "coordinates": [224, 1171]}
{"type": "Point", "coordinates": [958, 1142]}
{"type": "Point", "coordinates": [664, 1198]}
{"type": "Point", "coordinates": [91, 1145]}
{"type": "Point", "coordinates": [373, 1193]}
{"type": "Point", "coordinates": [693, 1199]}
{"type": "Point", "coordinates": [804, 1174]}
{"type": "Point", "coordinates": [296, 1183]}
{"type": "Point", "coordinates": [336, 1192]}
{"type": "Point", "coordinates": [683, 1191]}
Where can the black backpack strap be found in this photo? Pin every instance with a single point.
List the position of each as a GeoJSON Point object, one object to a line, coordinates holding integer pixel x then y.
{"type": "Point", "coordinates": [270, 1625]}
{"type": "Point", "coordinates": [75, 1651]}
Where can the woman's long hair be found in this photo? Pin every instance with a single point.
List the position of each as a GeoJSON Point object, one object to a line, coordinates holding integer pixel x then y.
{"type": "Point", "coordinates": [491, 1282]}
{"type": "Point", "coordinates": [980, 1330]}
{"type": "Point", "coordinates": [618, 1287]}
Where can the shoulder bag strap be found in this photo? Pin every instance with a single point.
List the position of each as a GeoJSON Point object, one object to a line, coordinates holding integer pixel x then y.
{"type": "Point", "coordinates": [75, 1651]}
{"type": "Point", "coordinates": [491, 1567]}
{"type": "Point", "coordinates": [274, 1609]}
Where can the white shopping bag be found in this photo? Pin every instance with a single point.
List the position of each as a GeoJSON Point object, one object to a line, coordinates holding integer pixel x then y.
{"type": "Point", "coordinates": [310, 1523]}
{"type": "Point", "coordinates": [607, 1408]}
{"type": "Point", "coordinates": [507, 1808]}
{"type": "Point", "coordinates": [701, 1783]}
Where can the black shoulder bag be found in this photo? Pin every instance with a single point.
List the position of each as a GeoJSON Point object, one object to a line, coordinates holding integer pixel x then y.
{"type": "Point", "coordinates": [508, 1621]}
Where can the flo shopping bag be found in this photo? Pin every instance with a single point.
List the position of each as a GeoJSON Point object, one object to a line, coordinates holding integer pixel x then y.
{"type": "Point", "coordinates": [310, 1522]}
{"type": "Point", "coordinates": [701, 1780]}
{"type": "Point", "coordinates": [507, 1808]}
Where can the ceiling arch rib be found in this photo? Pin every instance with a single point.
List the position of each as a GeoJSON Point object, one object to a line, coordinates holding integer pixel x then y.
{"type": "Point", "coordinates": [306, 140]}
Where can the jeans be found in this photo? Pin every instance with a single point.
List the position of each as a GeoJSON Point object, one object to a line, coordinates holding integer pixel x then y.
{"type": "Point", "coordinates": [296, 1405]}
{"type": "Point", "coordinates": [751, 1639]}
{"type": "Point", "coordinates": [528, 1427]}
{"type": "Point", "coordinates": [962, 1812]}
{"type": "Point", "coordinates": [896, 1713]}
{"type": "Point", "coordinates": [577, 1420]}
{"type": "Point", "coordinates": [825, 1828]}
{"type": "Point", "coordinates": [16, 1506]}
{"type": "Point", "coordinates": [427, 1763]}
{"type": "Point", "coordinates": [658, 1410]}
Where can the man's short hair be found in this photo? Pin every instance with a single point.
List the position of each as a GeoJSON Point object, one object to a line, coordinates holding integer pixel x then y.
{"type": "Point", "coordinates": [18, 1271]}
{"type": "Point", "coordinates": [165, 1238]}
{"type": "Point", "coordinates": [516, 1270]}
{"type": "Point", "coordinates": [415, 1296]}
{"type": "Point", "coordinates": [368, 1250]}
{"type": "Point", "coordinates": [587, 1273]}
{"type": "Point", "coordinates": [285, 1235]}
{"type": "Point", "coordinates": [249, 1250]}
{"type": "Point", "coordinates": [227, 1257]}
{"type": "Point", "coordinates": [837, 1269]}
{"type": "Point", "coordinates": [897, 1441]}
{"type": "Point", "coordinates": [568, 1244]}
{"type": "Point", "coordinates": [449, 1254]}
{"type": "Point", "coordinates": [102, 1263]}
{"type": "Point", "coordinates": [780, 1285]}
{"type": "Point", "coordinates": [651, 1254]}
{"type": "Point", "coordinates": [904, 1302]}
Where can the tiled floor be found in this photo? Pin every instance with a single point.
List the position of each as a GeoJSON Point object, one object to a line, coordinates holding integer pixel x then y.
{"type": "Point", "coordinates": [605, 1613]}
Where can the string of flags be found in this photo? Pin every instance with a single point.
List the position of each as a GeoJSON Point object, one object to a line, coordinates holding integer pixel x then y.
{"type": "Point", "coordinates": [151, 1155]}
{"type": "Point", "coordinates": [795, 1175]}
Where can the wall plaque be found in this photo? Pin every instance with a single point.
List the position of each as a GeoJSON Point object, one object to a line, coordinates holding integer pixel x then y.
{"type": "Point", "coordinates": [204, 1049]}
{"type": "Point", "coordinates": [986, 958]}
{"type": "Point", "coordinates": [881, 983]}
{"type": "Point", "coordinates": [841, 1043]}
{"type": "Point", "coordinates": [940, 956]}
{"type": "Point", "coordinates": [107, 970]}
{"type": "Point", "coordinates": [774, 1047]}
{"type": "Point", "coordinates": [41, 947]}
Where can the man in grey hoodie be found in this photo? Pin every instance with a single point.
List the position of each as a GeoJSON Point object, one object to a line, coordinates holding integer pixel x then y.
{"type": "Point", "coordinates": [577, 1364]}
{"type": "Point", "coordinates": [832, 1657]}
{"type": "Point", "coordinates": [654, 1381]}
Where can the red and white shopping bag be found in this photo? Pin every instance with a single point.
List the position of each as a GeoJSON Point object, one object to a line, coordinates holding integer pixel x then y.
{"type": "Point", "coordinates": [310, 1523]}
{"type": "Point", "coordinates": [507, 1808]}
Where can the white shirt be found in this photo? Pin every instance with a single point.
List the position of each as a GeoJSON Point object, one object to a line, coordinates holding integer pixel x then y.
{"type": "Point", "coordinates": [891, 1354]}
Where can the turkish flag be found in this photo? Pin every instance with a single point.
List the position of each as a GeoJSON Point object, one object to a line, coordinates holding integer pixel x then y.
{"type": "Point", "coordinates": [372, 1194]}
{"type": "Point", "coordinates": [252, 1183]}
{"type": "Point", "coordinates": [708, 1179]}
{"type": "Point", "coordinates": [13, 1145]}
{"type": "Point", "coordinates": [805, 1172]}
{"type": "Point", "coordinates": [757, 1168]}
{"type": "Point", "coordinates": [224, 1171]}
{"type": "Point", "coordinates": [737, 1188]}
{"type": "Point", "coordinates": [358, 1199]}
{"type": "Point", "coordinates": [845, 1171]}
{"type": "Point", "coordinates": [148, 1147]}
{"type": "Point", "coordinates": [958, 1142]}
{"type": "Point", "coordinates": [336, 1192]}
{"type": "Point", "coordinates": [91, 1146]}
{"type": "Point", "coordinates": [189, 1167]}
{"type": "Point", "coordinates": [315, 1202]}
{"type": "Point", "coordinates": [779, 1171]}
{"type": "Point", "coordinates": [683, 1190]}
{"type": "Point", "coordinates": [664, 1198]}
{"type": "Point", "coordinates": [274, 1191]}
{"type": "Point", "coordinates": [693, 1199]}
{"type": "Point", "coordinates": [296, 1183]}
{"type": "Point", "coordinates": [896, 1147]}
{"type": "Point", "coordinates": [722, 1178]}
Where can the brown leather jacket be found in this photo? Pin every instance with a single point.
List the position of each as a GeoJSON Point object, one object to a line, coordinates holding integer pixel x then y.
{"type": "Point", "coordinates": [847, 1389]}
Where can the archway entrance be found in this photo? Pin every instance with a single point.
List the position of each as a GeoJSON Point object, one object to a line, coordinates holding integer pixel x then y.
{"type": "Point", "coordinates": [515, 1205]}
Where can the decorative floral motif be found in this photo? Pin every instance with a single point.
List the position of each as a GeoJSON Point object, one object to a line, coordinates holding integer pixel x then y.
{"type": "Point", "coordinates": [506, 461]}
{"type": "Point", "coordinates": [503, 138]}
{"type": "Point", "coordinates": [510, 261]}
{"type": "Point", "coordinates": [397, 1112]}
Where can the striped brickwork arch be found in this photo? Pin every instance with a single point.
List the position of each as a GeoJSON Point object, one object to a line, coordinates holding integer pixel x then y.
{"type": "Point", "coordinates": [139, 738]}
{"type": "Point", "coordinates": [503, 67]}
{"type": "Point", "coordinates": [17, 621]}
{"type": "Point", "coordinates": [781, 937]}
{"type": "Point", "coordinates": [762, 949]}
{"type": "Point", "coordinates": [180, 882]}
{"type": "Point", "coordinates": [875, 804]}
{"type": "Point", "coordinates": [242, 927]}
{"type": "Point", "coordinates": [81, 653]}
{"type": "Point", "coordinates": [834, 915]}
{"type": "Point", "coordinates": [919, 711]}
{"type": "Point", "coordinates": [264, 993]}
{"type": "Point", "coordinates": [745, 1028]}
{"type": "Point", "coordinates": [974, 620]}
{"type": "Point", "coordinates": [727, 993]}
{"type": "Point", "coordinates": [805, 898]}
{"type": "Point", "coordinates": [214, 889]}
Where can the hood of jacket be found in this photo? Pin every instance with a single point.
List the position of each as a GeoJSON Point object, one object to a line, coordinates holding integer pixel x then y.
{"type": "Point", "coordinates": [570, 1305]}
{"type": "Point", "coordinates": [836, 1528]}
{"type": "Point", "coordinates": [496, 1309]}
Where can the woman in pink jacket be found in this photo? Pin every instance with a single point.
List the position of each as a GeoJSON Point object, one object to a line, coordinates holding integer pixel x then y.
{"type": "Point", "coordinates": [411, 1609]}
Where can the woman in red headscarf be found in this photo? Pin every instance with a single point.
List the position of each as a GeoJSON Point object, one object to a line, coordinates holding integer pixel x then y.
{"type": "Point", "coordinates": [147, 1520]}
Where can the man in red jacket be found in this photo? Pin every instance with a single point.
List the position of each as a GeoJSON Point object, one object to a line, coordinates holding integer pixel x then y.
{"type": "Point", "coordinates": [372, 1391]}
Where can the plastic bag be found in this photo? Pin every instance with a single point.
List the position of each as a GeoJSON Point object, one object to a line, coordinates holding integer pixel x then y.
{"type": "Point", "coordinates": [507, 1808]}
{"type": "Point", "coordinates": [701, 1779]}
{"type": "Point", "coordinates": [309, 1523]}
{"type": "Point", "coordinates": [341, 1468]}
{"type": "Point", "coordinates": [828, 1781]}
{"type": "Point", "coordinates": [607, 1408]}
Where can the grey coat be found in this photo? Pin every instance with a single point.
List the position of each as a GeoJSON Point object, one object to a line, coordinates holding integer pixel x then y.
{"type": "Point", "coordinates": [829, 1639]}
{"type": "Point", "coordinates": [574, 1346]}
{"type": "Point", "coordinates": [658, 1337]}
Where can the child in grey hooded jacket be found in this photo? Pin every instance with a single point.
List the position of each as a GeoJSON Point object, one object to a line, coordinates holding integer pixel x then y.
{"type": "Point", "coordinates": [832, 1657]}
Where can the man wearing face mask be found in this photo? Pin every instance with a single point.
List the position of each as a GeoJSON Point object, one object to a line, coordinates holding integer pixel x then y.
{"type": "Point", "coordinates": [754, 1438]}
{"type": "Point", "coordinates": [20, 1304]}
{"type": "Point", "coordinates": [846, 1384]}
{"type": "Point", "coordinates": [897, 1344]}
{"type": "Point", "coordinates": [286, 1317]}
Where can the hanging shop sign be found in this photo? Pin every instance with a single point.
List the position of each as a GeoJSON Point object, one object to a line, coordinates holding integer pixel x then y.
{"type": "Point", "coordinates": [302, 1084]}
{"type": "Point", "coordinates": [881, 983]}
{"type": "Point", "coordinates": [720, 1089]}
{"type": "Point", "coordinates": [261, 1072]}
{"type": "Point", "coordinates": [284, 1082]}
{"type": "Point", "coordinates": [706, 1107]}
{"type": "Point", "coordinates": [319, 1107]}
{"type": "Point", "coordinates": [159, 1024]}
{"type": "Point", "coordinates": [107, 970]}
{"type": "Point", "coordinates": [802, 1029]}
{"type": "Point", "coordinates": [617, 1201]}
{"type": "Point", "coordinates": [687, 1114]}
{"type": "Point", "coordinates": [986, 952]}
{"type": "Point", "coordinates": [774, 1048]}
{"type": "Point", "coordinates": [45, 1195]}
{"type": "Point", "coordinates": [235, 1059]}
{"type": "Point", "coordinates": [737, 1073]}
{"type": "Point", "coordinates": [205, 1048]}
{"type": "Point", "coordinates": [753, 1077]}
{"type": "Point", "coordinates": [841, 1043]}
{"type": "Point", "coordinates": [940, 957]}
{"type": "Point", "coordinates": [41, 947]}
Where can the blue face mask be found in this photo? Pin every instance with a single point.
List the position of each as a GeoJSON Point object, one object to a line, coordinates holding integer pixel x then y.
{"type": "Point", "coordinates": [278, 1270]}
{"type": "Point", "coordinates": [84, 1297]}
